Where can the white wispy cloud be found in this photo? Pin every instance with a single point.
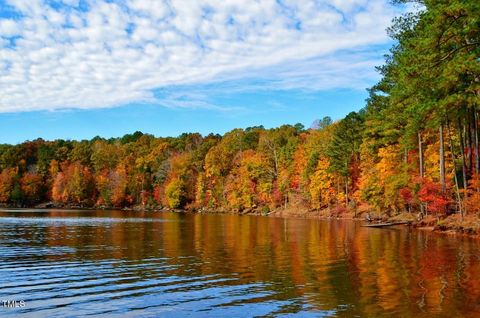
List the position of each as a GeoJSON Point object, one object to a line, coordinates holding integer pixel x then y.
{"type": "Point", "coordinates": [88, 54]}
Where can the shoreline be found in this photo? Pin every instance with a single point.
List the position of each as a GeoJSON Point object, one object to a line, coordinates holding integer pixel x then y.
{"type": "Point", "coordinates": [450, 225]}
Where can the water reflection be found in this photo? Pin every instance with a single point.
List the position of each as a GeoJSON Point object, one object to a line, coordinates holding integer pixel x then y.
{"type": "Point", "coordinates": [158, 264]}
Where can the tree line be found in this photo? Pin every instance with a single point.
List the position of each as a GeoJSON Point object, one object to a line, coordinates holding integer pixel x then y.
{"type": "Point", "coordinates": [414, 146]}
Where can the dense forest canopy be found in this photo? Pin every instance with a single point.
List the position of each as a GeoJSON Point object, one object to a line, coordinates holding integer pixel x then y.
{"type": "Point", "coordinates": [414, 146]}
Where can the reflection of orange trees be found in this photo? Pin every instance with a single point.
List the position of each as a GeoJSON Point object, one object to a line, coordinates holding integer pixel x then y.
{"type": "Point", "coordinates": [327, 264]}
{"type": "Point", "coordinates": [387, 263]}
{"type": "Point", "coordinates": [466, 277]}
{"type": "Point", "coordinates": [388, 294]}
{"type": "Point", "coordinates": [378, 273]}
{"type": "Point", "coordinates": [323, 264]}
{"type": "Point", "coordinates": [441, 274]}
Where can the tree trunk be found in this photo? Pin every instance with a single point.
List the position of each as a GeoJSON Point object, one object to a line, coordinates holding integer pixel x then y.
{"type": "Point", "coordinates": [442, 161]}
{"type": "Point", "coordinates": [346, 183]}
{"type": "Point", "coordinates": [420, 164]}
{"type": "Point", "coordinates": [470, 145]}
{"type": "Point", "coordinates": [462, 153]}
{"type": "Point", "coordinates": [275, 160]}
{"type": "Point", "coordinates": [457, 190]}
{"type": "Point", "coordinates": [420, 154]}
{"type": "Point", "coordinates": [464, 167]}
{"type": "Point", "coordinates": [346, 191]}
{"type": "Point", "coordinates": [338, 190]}
{"type": "Point", "coordinates": [475, 137]}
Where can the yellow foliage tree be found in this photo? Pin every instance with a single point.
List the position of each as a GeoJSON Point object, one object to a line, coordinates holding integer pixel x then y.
{"type": "Point", "coordinates": [321, 186]}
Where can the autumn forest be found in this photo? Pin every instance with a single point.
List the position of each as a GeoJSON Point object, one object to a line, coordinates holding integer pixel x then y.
{"type": "Point", "coordinates": [413, 148]}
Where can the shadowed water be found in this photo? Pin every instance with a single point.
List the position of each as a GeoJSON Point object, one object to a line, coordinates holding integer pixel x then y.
{"type": "Point", "coordinates": [134, 264]}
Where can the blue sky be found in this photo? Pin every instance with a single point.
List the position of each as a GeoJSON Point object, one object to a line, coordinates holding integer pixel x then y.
{"type": "Point", "coordinates": [271, 109]}
{"type": "Point", "coordinates": [76, 69]}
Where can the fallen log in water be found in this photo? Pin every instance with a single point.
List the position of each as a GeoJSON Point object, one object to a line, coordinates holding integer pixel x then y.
{"type": "Point", "coordinates": [385, 224]}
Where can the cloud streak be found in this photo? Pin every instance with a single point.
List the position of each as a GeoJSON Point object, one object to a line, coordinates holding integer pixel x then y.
{"type": "Point", "coordinates": [91, 54]}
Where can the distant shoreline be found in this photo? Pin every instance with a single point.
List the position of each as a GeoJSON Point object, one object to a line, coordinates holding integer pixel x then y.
{"type": "Point", "coordinates": [452, 225]}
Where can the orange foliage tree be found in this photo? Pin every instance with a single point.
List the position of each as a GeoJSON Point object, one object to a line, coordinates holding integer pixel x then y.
{"type": "Point", "coordinates": [32, 186]}
{"type": "Point", "coordinates": [7, 182]}
{"type": "Point", "coordinates": [74, 184]}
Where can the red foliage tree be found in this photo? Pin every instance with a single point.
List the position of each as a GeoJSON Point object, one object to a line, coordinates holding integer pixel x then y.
{"type": "Point", "coordinates": [431, 194]}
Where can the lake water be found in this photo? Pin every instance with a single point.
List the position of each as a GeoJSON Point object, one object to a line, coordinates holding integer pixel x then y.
{"type": "Point", "coordinates": [133, 264]}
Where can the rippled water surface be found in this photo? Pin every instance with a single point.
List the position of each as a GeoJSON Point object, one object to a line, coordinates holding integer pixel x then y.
{"type": "Point", "coordinates": [133, 264]}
